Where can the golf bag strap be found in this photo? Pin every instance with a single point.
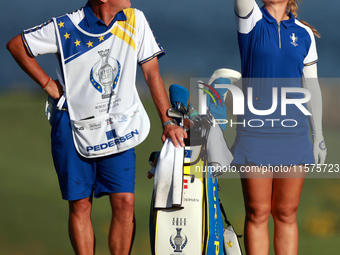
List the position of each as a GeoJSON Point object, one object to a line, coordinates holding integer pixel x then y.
{"type": "Point", "coordinates": [224, 214]}
{"type": "Point", "coordinates": [226, 219]}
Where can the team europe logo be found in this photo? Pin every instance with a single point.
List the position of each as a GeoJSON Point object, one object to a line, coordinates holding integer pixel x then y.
{"type": "Point", "coordinates": [294, 39]}
{"type": "Point", "coordinates": [178, 241]}
{"type": "Point", "coordinates": [105, 74]}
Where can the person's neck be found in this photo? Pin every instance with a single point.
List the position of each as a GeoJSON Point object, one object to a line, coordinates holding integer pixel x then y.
{"type": "Point", "coordinates": [104, 12]}
{"type": "Point", "coordinates": [278, 11]}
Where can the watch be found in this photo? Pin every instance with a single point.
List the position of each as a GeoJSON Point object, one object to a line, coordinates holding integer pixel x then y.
{"type": "Point", "coordinates": [169, 122]}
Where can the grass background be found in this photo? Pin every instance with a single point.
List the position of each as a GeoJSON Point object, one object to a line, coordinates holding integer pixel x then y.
{"type": "Point", "coordinates": [33, 217]}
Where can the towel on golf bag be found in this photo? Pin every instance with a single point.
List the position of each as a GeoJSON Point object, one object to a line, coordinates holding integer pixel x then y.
{"type": "Point", "coordinates": [217, 148]}
{"type": "Point", "coordinates": [168, 181]}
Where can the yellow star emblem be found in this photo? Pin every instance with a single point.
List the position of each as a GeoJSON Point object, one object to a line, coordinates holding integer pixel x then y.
{"type": "Point", "coordinates": [77, 42]}
{"type": "Point", "coordinates": [90, 44]}
{"type": "Point", "coordinates": [230, 244]}
{"type": "Point", "coordinates": [61, 24]}
{"type": "Point", "coordinates": [101, 38]}
{"type": "Point", "coordinates": [67, 36]}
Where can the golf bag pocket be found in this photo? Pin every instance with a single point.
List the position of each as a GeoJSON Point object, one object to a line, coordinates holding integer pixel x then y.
{"type": "Point", "coordinates": [179, 231]}
{"type": "Point", "coordinates": [231, 242]}
{"type": "Point", "coordinates": [110, 133]}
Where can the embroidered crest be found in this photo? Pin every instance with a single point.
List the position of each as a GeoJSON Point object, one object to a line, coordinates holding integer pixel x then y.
{"type": "Point", "coordinates": [294, 39]}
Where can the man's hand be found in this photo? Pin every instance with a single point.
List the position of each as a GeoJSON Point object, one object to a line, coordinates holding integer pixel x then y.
{"type": "Point", "coordinates": [176, 134]}
{"type": "Point", "coordinates": [54, 89]}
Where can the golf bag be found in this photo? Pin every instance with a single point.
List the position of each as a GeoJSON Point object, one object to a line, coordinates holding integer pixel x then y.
{"type": "Point", "coordinates": [197, 227]}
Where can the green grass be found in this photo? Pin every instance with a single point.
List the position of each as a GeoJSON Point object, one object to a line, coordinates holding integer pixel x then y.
{"type": "Point", "coordinates": [33, 217]}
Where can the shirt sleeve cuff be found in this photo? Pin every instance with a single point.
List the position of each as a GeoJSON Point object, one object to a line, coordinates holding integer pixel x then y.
{"type": "Point", "coordinates": [158, 55]}
{"type": "Point", "coordinates": [26, 45]}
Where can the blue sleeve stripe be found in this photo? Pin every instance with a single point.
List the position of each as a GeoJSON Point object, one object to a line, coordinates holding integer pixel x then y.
{"type": "Point", "coordinates": [311, 63]}
{"type": "Point", "coordinates": [246, 17]}
{"type": "Point", "coordinates": [158, 54]}
{"type": "Point", "coordinates": [26, 45]}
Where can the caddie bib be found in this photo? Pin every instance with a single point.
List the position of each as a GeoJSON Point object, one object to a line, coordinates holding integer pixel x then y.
{"type": "Point", "coordinates": [99, 72]}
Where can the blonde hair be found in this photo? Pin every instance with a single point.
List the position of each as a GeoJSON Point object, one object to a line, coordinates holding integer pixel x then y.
{"type": "Point", "coordinates": [293, 7]}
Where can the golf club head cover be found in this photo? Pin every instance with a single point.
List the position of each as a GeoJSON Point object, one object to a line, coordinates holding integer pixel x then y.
{"type": "Point", "coordinates": [219, 111]}
{"type": "Point", "coordinates": [178, 93]}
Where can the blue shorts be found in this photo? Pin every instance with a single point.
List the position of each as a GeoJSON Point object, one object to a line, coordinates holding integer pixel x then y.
{"type": "Point", "coordinates": [273, 149]}
{"type": "Point", "coordinates": [81, 177]}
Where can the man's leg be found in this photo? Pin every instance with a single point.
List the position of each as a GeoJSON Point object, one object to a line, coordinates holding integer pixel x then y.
{"type": "Point", "coordinates": [80, 226]}
{"type": "Point", "coordinates": [77, 176]}
{"type": "Point", "coordinates": [122, 223]}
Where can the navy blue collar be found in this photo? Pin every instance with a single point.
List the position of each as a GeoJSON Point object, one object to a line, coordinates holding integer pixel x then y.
{"type": "Point", "coordinates": [287, 23]}
{"type": "Point", "coordinates": [92, 21]}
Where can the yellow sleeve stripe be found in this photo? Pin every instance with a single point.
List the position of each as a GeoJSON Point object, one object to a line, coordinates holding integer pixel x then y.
{"type": "Point", "coordinates": [124, 36]}
{"type": "Point", "coordinates": [130, 22]}
{"type": "Point", "coordinates": [127, 27]}
{"type": "Point", "coordinates": [311, 63]}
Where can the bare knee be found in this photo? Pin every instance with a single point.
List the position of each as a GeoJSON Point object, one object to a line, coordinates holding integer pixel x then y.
{"type": "Point", "coordinates": [284, 213]}
{"type": "Point", "coordinates": [80, 207]}
{"type": "Point", "coordinates": [122, 202]}
{"type": "Point", "coordinates": [257, 213]}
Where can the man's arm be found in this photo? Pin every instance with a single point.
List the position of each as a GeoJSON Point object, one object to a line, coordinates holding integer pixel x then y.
{"type": "Point", "coordinates": [154, 81]}
{"type": "Point", "coordinates": [17, 48]}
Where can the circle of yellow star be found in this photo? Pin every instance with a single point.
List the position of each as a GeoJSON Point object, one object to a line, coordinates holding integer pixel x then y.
{"type": "Point", "coordinates": [101, 38]}
{"type": "Point", "coordinates": [77, 42]}
{"type": "Point", "coordinates": [61, 24]}
{"type": "Point", "coordinates": [67, 36]}
{"type": "Point", "coordinates": [90, 44]}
